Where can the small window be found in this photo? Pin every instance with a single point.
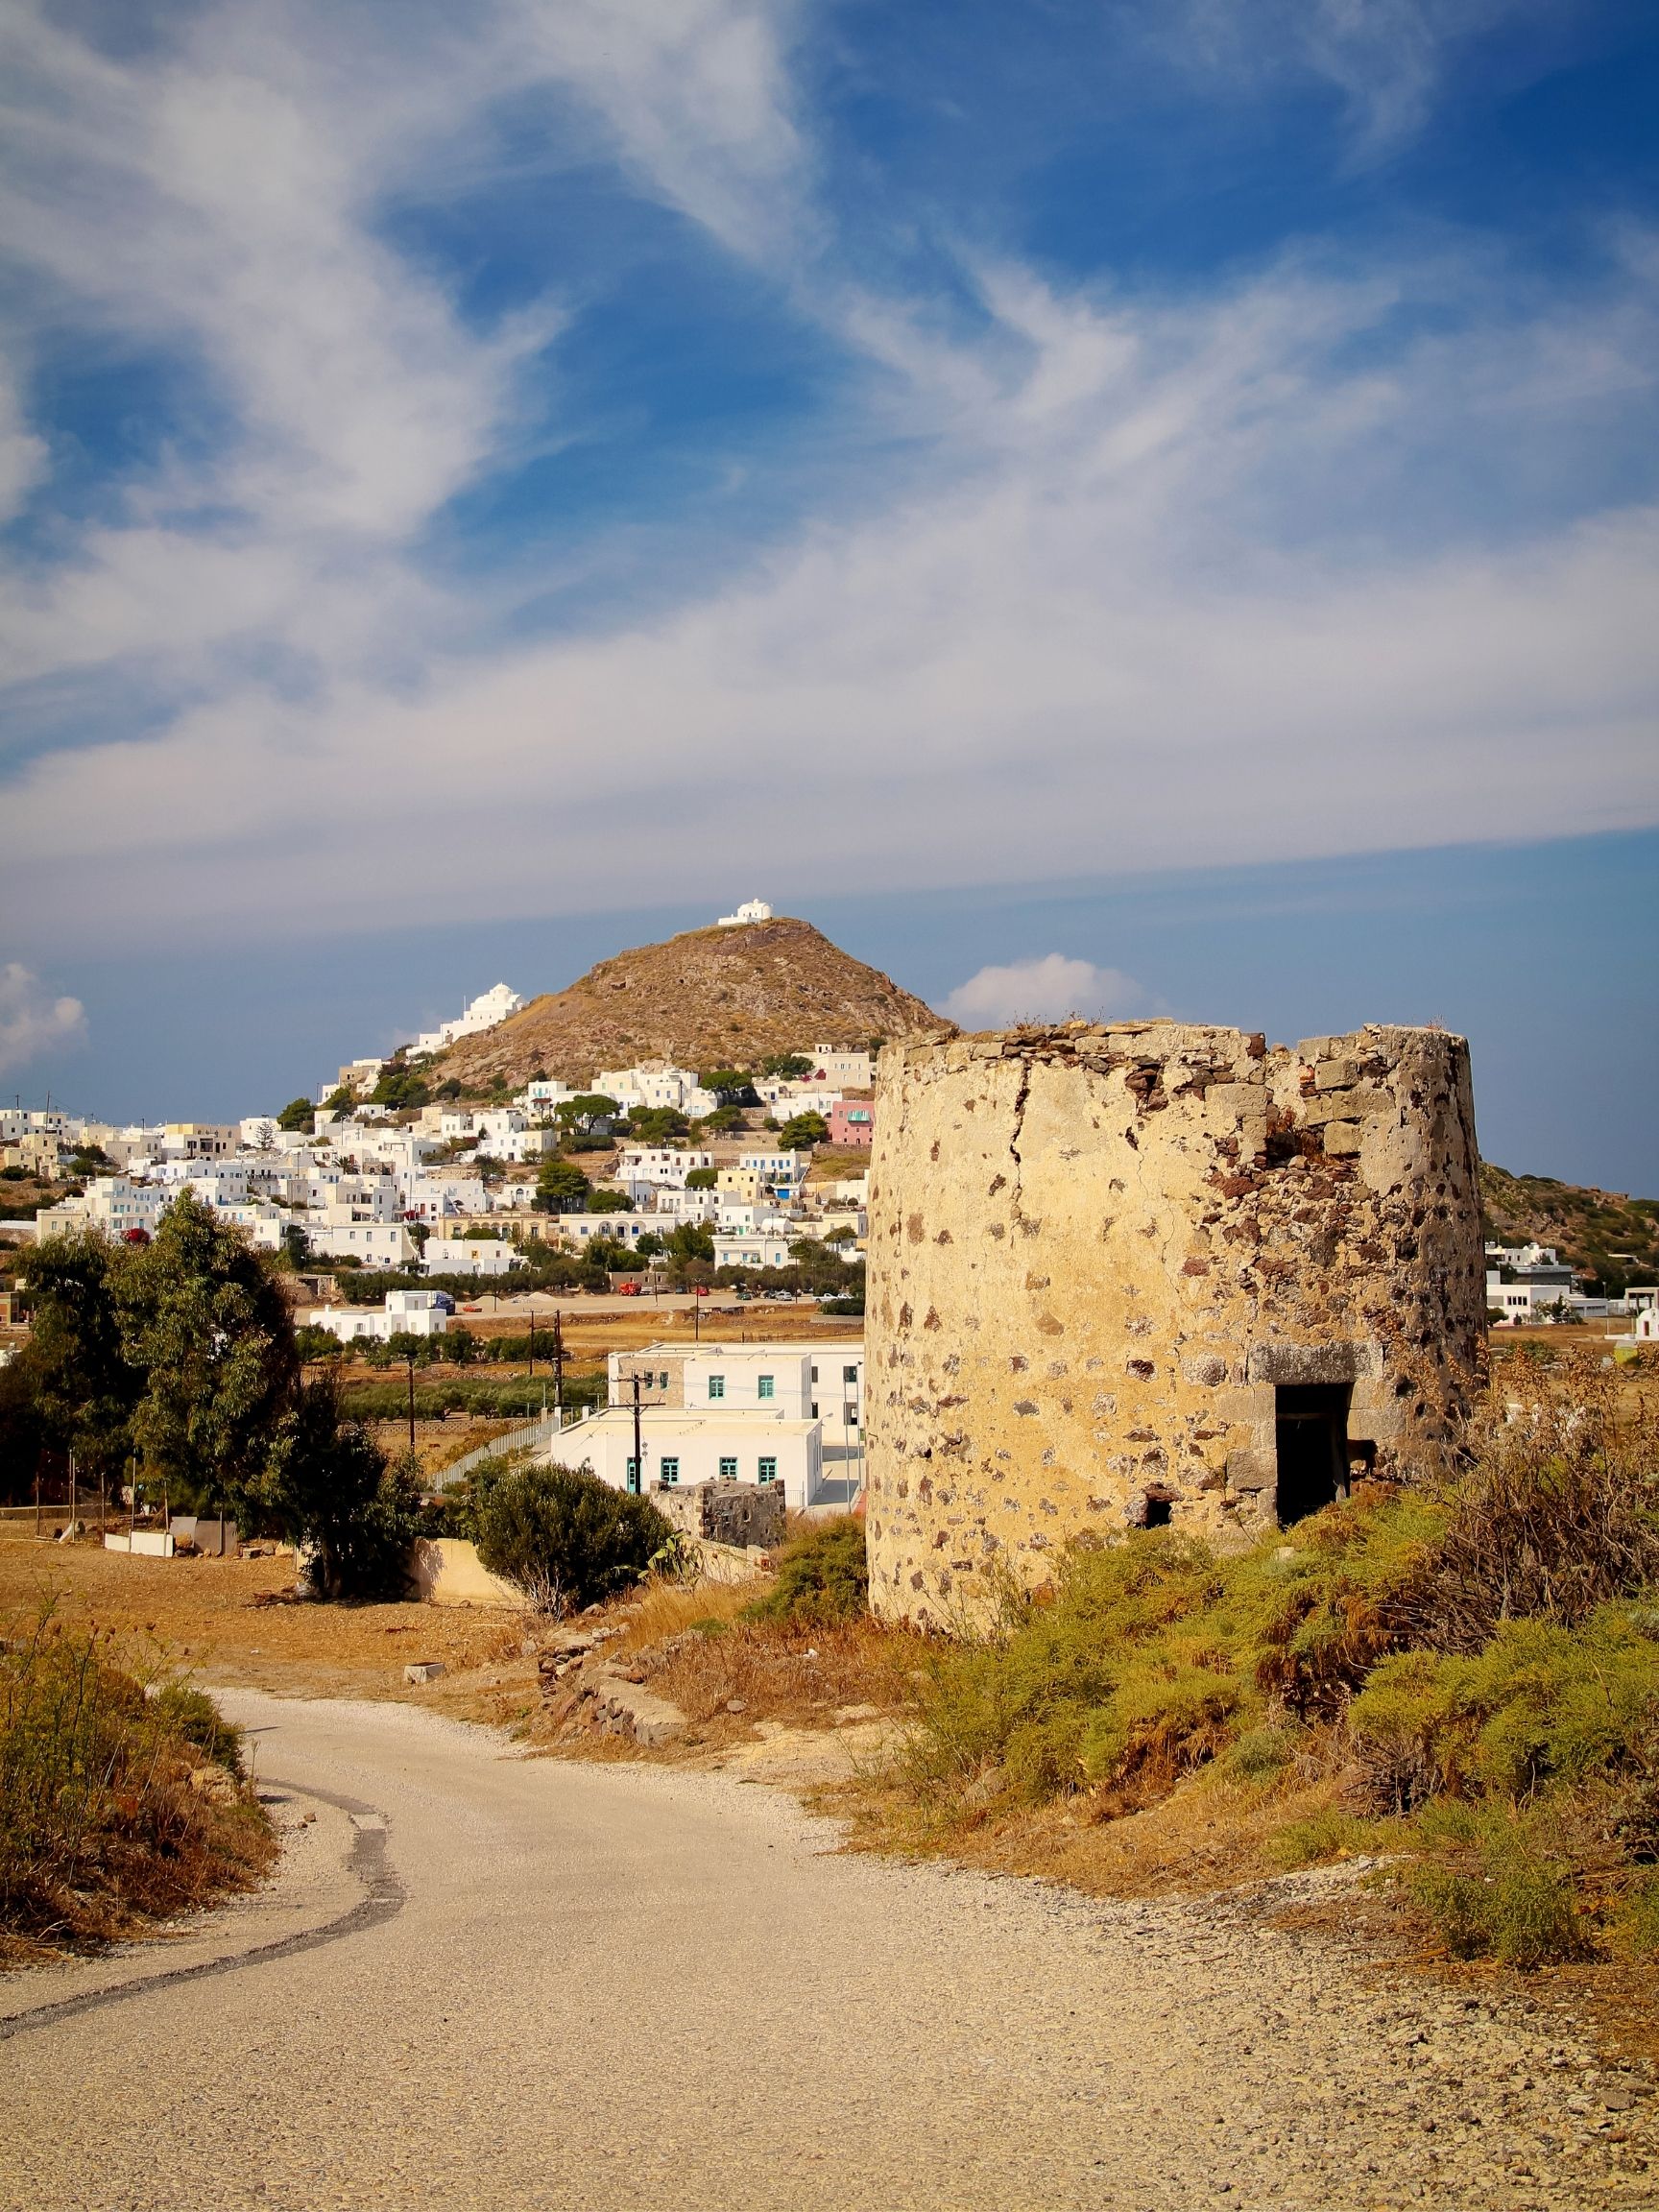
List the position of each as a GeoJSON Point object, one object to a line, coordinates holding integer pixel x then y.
{"type": "Point", "coordinates": [768, 1470]}
{"type": "Point", "coordinates": [632, 1470]}
{"type": "Point", "coordinates": [849, 1374]}
{"type": "Point", "coordinates": [717, 1385]}
{"type": "Point", "coordinates": [671, 1470]}
{"type": "Point", "coordinates": [1157, 1511]}
{"type": "Point", "coordinates": [766, 1386]}
{"type": "Point", "coordinates": [728, 1470]}
{"type": "Point", "coordinates": [814, 1408]}
{"type": "Point", "coordinates": [814, 1373]}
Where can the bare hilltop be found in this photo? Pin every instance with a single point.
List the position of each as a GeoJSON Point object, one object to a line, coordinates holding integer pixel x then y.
{"type": "Point", "coordinates": [710, 998]}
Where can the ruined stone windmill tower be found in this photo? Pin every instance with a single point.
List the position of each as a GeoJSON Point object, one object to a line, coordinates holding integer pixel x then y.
{"type": "Point", "coordinates": [1139, 1272]}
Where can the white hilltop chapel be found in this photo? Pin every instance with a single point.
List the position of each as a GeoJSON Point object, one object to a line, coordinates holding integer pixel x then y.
{"type": "Point", "coordinates": [751, 910]}
{"type": "Point", "coordinates": [485, 1010]}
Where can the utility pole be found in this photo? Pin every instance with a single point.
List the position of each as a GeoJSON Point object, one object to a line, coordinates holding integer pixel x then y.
{"type": "Point", "coordinates": [638, 1482]}
{"type": "Point", "coordinates": [559, 1365]}
{"type": "Point", "coordinates": [410, 1360]}
{"type": "Point", "coordinates": [71, 1497]}
{"type": "Point", "coordinates": [531, 1377]}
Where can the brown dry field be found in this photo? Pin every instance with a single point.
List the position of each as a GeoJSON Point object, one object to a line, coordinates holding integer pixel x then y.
{"type": "Point", "coordinates": [234, 1621]}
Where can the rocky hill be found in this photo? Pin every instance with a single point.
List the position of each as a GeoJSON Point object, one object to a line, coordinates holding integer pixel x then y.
{"type": "Point", "coordinates": [710, 998]}
{"type": "Point", "coordinates": [1608, 1236]}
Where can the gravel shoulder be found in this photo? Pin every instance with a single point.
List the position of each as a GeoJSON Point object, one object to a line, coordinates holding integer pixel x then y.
{"type": "Point", "coordinates": [635, 1987]}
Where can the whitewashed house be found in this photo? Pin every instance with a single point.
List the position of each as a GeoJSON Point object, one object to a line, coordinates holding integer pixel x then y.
{"type": "Point", "coordinates": [681, 1448]}
{"type": "Point", "coordinates": [471, 1256]}
{"type": "Point", "coordinates": [658, 1163]}
{"type": "Point", "coordinates": [488, 1009]}
{"type": "Point", "coordinates": [412, 1312]}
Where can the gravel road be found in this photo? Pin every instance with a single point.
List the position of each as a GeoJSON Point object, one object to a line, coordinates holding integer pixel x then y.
{"type": "Point", "coordinates": [583, 1988]}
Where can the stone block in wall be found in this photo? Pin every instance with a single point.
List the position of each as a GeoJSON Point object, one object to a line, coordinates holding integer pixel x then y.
{"type": "Point", "coordinates": [1285, 1365]}
{"type": "Point", "coordinates": [1342, 1140]}
{"type": "Point", "coordinates": [1250, 1471]}
{"type": "Point", "coordinates": [1336, 1074]}
{"type": "Point", "coordinates": [1344, 1106]}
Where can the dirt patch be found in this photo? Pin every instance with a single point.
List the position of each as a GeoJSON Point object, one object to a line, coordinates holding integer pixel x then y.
{"type": "Point", "coordinates": [235, 1620]}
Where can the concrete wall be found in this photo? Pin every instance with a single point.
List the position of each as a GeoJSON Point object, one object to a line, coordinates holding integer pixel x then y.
{"type": "Point", "coordinates": [1096, 1253]}
{"type": "Point", "coordinates": [448, 1571]}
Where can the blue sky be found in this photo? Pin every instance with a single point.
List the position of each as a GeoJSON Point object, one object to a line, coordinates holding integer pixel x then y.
{"type": "Point", "coordinates": [1162, 491]}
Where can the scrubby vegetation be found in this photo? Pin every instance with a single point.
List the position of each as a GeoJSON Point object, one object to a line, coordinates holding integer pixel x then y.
{"type": "Point", "coordinates": [1473, 1673]}
{"type": "Point", "coordinates": [120, 1802]}
{"type": "Point", "coordinates": [563, 1537]}
{"type": "Point", "coordinates": [823, 1575]}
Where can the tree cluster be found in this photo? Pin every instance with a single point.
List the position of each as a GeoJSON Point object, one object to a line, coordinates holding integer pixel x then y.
{"type": "Point", "coordinates": [178, 1358]}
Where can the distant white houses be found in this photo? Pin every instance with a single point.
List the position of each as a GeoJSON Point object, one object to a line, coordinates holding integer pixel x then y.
{"type": "Point", "coordinates": [658, 1165]}
{"type": "Point", "coordinates": [1532, 1283]}
{"type": "Point", "coordinates": [111, 1203]}
{"type": "Point", "coordinates": [796, 1381]}
{"type": "Point", "coordinates": [751, 910]}
{"type": "Point", "coordinates": [200, 1139]}
{"type": "Point", "coordinates": [781, 1174]}
{"type": "Point", "coordinates": [414, 1312]}
{"type": "Point", "coordinates": [372, 1244]}
{"type": "Point", "coordinates": [850, 1070]}
{"type": "Point", "coordinates": [580, 1229]}
{"type": "Point", "coordinates": [757, 1249]}
{"type": "Point", "coordinates": [471, 1255]}
{"type": "Point", "coordinates": [358, 1077]}
{"type": "Point", "coordinates": [657, 1085]}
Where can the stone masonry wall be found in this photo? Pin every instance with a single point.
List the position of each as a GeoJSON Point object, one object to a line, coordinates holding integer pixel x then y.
{"type": "Point", "coordinates": [1097, 1251]}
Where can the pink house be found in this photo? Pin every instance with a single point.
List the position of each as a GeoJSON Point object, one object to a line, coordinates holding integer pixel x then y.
{"type": "Point", "coordinates": [853, 1121]}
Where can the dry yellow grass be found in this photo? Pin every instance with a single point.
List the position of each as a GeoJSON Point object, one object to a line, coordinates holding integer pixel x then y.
{"type": "Point", "coordinates": [234, 1621]}
{"type": "Point", "coordinates": [668, 1609]}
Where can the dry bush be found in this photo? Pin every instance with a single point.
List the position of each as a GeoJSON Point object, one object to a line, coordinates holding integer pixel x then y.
{"type": "Point", "coordinates": [1557, 1513]}
{"type": "Point", "coordinates": [669, 1608]}
{"type": "Point", "coordinates": [104, 1819]}
{"type": "Point", "coordinates": [789, 1674]}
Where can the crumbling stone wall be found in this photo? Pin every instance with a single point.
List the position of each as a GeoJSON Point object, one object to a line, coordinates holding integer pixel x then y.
{"type": "Point", "coordinates": [735, 1513]}
{"type": "Point", "coordinates": [1099, 1257]}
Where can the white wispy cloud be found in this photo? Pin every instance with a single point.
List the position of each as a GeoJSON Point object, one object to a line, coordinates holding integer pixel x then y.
{"type": "Point", "coordinates": [1157, 581]}
{"type": "Point", "coordinates": [1387, 57]}
{"type": "Point", "coordinates": [31, 1020]}
{"type": "Point", "coordinates": [1049, 989]}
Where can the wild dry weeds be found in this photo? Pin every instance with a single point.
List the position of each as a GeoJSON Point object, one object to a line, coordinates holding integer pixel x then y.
{"type": "Point", "coordinates": [105, 1821]}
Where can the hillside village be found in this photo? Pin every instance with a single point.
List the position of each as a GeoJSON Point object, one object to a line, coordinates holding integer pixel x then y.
{"type": "Point", "coordinates": [408, 1184]}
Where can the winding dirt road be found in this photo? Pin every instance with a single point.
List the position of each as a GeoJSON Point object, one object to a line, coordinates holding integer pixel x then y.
{"type": "Point", "coordinates": [493, 1982]}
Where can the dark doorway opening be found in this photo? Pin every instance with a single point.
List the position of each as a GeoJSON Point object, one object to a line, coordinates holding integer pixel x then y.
{"type": "Point", "coordinates": [1312, 1428]}
{"type": "Point", "coordinates": [1157, 1511]}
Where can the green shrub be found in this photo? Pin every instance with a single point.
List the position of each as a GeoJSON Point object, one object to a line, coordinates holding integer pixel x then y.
{"type": "Point", "coordinates": [1540, 1705]}
{"type": "Point", "coordinates": [1510, 1894]}
{"type": "Point", "coordinates": [822, 1577]}
{"type": "Point", "coordinates": [1317, 1839]}
{"type": "Point", "coordinates": [192, 1716]}
{"type": "Point", "coordinates": [565, 1538]}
